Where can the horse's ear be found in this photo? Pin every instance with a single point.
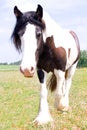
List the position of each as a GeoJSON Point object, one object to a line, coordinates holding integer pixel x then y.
{"type": "Point", "coordinates": [39, 11]}
{"type": "Point", "coordinates": [17, 12]}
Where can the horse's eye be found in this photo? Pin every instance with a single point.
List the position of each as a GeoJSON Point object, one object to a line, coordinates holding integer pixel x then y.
{"type": "Point", "coordinates": [38, 35]}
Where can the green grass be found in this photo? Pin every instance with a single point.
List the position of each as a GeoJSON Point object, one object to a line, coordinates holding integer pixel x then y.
{"type": "Point", "coordinates": [8, 67]}
{"type": "Point", "coordinates": [19, 102]}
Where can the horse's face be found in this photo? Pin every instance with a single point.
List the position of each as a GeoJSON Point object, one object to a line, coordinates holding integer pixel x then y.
{"type": "Point", "coordinates": [29, 47]}
{"type": "Point", "coordinates": [28, 29]}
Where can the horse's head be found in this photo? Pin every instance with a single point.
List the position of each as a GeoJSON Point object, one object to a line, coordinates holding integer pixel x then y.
{"type": "Point", "coordinates": [28, 29]}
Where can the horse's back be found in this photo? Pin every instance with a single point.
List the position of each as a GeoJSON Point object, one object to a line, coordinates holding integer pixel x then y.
{"type": "Point", "coordinates": [69, 41]}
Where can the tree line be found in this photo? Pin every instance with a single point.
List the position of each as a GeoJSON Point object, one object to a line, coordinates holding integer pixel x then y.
{"type": "Point", "coordinates": [82, 61]}
{"type": "Point", "coordinates": [13, 63]}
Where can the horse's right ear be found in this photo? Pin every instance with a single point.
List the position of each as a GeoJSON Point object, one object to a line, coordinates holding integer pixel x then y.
{"type": "Point", "coordinates": [39, 11]}
{"type": "Point", "coordinates": [17, 12]}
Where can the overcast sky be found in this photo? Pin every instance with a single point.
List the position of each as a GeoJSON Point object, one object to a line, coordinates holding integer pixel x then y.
{"type": "Point", "coordinates": [70, 14]}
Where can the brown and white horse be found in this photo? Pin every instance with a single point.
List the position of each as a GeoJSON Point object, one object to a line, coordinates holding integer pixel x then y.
{"type": "Point", "coordinates": [48, 48]}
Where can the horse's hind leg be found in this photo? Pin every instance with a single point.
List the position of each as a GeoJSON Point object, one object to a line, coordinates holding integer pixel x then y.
{"type": "Point", "coordinates": [68, 80]}
{"type": "Point", "coordinates": [63, 86]}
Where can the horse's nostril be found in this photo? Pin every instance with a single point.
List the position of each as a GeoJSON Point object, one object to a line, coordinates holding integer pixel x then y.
{"type": "Point", "coordinates": [32, 69]}
{"type": "Point", "coordinates": [28, 72]}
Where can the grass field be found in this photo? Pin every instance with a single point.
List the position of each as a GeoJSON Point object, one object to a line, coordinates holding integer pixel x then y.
{"type": "Point", "coordinates": [19, 102]}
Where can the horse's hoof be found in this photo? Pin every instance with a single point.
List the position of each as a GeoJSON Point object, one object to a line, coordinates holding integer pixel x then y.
{"type": "Point", "coordinates": [62, 104]}
{"type": "Point", "coordinates": [64, 108]}
{"type": "Point", "coordinates": [43, 119]}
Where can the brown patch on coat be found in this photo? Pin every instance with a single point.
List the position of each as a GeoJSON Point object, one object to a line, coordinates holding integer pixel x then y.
{"type": "Point", "coordinates": [50, 58]}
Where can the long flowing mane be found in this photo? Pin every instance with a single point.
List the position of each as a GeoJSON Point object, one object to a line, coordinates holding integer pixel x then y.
{"type": "Point", "coordinates": [15, 35]}
{"type": "Point", "coordinates": [19, 30]}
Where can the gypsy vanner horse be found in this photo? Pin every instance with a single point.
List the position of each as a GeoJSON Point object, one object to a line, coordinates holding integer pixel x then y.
{"type": "Point", "coordinates": [48, 48]}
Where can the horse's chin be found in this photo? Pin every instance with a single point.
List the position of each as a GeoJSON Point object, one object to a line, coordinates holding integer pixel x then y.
{"type": "Point", "coordinates": [28, 75]}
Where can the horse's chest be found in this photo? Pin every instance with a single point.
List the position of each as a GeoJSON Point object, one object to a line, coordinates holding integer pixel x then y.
{"type": "Point", "coordinates": [51, 59]}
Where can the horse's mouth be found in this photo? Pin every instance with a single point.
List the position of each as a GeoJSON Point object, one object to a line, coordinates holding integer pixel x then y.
{"type": "Point", "coordinates": [28, 73]}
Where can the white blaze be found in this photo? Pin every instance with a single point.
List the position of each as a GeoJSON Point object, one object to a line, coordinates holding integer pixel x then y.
{"type": "Point", "coordinates": [29, 47]}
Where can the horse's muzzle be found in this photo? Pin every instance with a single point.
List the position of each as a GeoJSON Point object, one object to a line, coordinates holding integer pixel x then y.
{"type": "Point", "coordinates": [28, 72]}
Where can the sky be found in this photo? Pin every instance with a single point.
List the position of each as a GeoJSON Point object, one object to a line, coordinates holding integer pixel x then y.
{"type": "Point", "coordinates": [69, 14]}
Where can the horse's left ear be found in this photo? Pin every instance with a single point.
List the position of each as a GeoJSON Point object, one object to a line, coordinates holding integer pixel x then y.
{"type": "Point", "coordinates": [17, 12]}
{"type": "Point", "coordinates": [39, 11]}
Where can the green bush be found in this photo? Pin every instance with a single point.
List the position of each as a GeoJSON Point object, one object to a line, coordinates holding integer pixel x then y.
{"type": "Point", "coordinates": [83, 59]}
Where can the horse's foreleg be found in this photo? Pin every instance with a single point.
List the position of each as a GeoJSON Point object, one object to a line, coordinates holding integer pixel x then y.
{"type": "Point", "coordinates": [44, 114]}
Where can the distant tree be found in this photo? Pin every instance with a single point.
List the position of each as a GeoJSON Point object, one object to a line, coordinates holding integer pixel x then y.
{"type": "Point", "coordinates": [83, 59]}
{"type": "Point", "coordinates": [16, 63]}
{"type": "Point", "coordinates": [4, 63]}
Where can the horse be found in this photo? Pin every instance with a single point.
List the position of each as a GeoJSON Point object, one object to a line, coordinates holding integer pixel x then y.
{"type": "Point", "coordinates": [46, 47]}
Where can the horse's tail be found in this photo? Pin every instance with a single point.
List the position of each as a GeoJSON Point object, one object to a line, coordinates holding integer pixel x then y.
{"type": "Point", "coordinates": [52, 82]}
{"type": "Point", "coordinates": [77, 44]}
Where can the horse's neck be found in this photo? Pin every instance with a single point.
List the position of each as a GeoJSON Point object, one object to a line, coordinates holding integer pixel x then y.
{"type": "Point", "coordinates": [51, 27]}
{"type": "Point", "coordinates": [61, 36]}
